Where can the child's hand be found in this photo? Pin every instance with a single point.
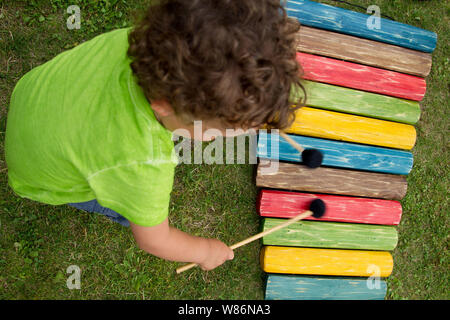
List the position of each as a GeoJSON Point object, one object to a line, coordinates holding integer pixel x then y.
{"type": "Point", "coordinates": [218, 253]}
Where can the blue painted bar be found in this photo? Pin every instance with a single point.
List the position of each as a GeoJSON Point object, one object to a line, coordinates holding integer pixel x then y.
{"type": "Point", "coordinates": [337, 153]}
{"type": "Point", "coordinates": [295, 287]}
{"type": "Point", "coordinates": [331, 18]}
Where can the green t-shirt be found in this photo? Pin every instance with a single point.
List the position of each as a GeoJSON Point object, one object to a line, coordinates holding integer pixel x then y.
{"type": "Point", "coordinates": [80, 128]}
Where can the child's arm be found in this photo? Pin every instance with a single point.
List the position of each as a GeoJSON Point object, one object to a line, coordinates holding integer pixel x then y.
{"type": "Point", "coordinates": [172, 244]}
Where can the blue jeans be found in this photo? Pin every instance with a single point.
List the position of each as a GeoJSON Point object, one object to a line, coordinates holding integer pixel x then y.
{"type": "Point", "coordinates": [94, 206]}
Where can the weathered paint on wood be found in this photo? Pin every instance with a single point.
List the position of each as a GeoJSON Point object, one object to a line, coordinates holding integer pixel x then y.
{"type": "Point", "coordinates": [288, 204]}
{"type": "Point", "coordinates": [361, 77]}
{"type": "Point", "coordinates": [347, 127]}
{"type": "Point", "coordinates": [297, 287]}
{"type": "Point", "coordinates": [333, 262]}
{"type": "Point", "coordinates": [324, 16]}
{"type": "Point", "coordinates": [282, 175]}
{"type": "Point", "coordinates": [340, 99]}
{"type": "Point", "coordinates": [337, 235]}
{"type": "Point", "coordinates": [337, 153]}
{"type": "Point", "coordinates": [368, 52]}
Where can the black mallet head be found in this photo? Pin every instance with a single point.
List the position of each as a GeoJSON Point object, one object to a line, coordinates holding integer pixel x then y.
{"type": "Point", "coordinates": [312, 158]}
{"type": "Point", "coordinates": [318, 208]}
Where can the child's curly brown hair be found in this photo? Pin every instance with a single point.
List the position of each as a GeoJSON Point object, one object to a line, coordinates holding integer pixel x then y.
{"type": "Point", "coordinates": [233, 60]}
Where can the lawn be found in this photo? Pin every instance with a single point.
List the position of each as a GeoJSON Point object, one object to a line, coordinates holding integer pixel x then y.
{"type": "Point", "coordinates": [39, 242]}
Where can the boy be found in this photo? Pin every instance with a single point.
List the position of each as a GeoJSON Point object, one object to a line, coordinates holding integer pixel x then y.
{"type": "Point", "coordinates": [93, 126]}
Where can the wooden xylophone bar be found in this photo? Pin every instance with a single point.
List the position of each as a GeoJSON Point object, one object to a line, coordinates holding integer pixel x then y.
{"type": "Point", "coordinates": [339, 154]}
{"type": "Point", "coordinates": [346, 100]}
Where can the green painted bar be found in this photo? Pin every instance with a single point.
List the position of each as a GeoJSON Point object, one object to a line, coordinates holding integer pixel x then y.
{"type": "Point", "coordinates": [296, 287]}
{"type": "Point", "coordinates": [340, 99]}
{"type": "Point", "coordinates": [335, 235]}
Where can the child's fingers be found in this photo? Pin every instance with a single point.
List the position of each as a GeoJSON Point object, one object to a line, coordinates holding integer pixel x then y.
{"type": "Point", "coordinates": [231, 255]}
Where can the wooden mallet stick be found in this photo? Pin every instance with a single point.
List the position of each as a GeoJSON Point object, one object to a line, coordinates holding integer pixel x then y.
{"type": "Point", "coordinates": [310, 157]}
{"type": "Point", "coordinates": [316, 209]}
{"type": "Point", "coordinates": [292, 142]}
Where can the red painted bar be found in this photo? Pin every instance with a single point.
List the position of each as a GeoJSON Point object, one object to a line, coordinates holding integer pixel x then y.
{"type": "Point", "coordinates": [361, 77]}
{"type": "Point", "coordinates": [286, 204]}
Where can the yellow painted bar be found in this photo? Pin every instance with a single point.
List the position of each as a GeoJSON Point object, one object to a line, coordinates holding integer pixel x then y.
{"type": "Point", "coordinates": [333, 262]}
{"type": "Point", "coordinates": [347, 127]}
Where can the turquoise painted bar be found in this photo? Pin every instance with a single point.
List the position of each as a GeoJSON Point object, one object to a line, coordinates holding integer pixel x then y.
{"type": "Point", "coordinates": [337, 153]}
{"type": "Point", "coordinates": [327, 17]}
{"type": "Point", "coordinates": [296, 287]}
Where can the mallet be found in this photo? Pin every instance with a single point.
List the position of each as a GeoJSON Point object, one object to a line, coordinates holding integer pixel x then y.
{"type": "Point", "coordinates": [316, 209]}
{"type": "Point", "coordinates": [310, 157]}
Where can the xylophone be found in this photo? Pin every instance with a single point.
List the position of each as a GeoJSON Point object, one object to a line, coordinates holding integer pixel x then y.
{"type": "Point", "coordinates": [364, 88]}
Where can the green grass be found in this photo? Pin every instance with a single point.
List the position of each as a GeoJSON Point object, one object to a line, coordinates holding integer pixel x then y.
{"type": "Point", "coordinates": [38, 242]}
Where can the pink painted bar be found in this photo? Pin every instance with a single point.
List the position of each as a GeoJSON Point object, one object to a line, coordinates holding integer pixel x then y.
{"type": "Point", "coordinates": [286, 204]}
{"type": "Point", "coordinates": [361, 77]}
